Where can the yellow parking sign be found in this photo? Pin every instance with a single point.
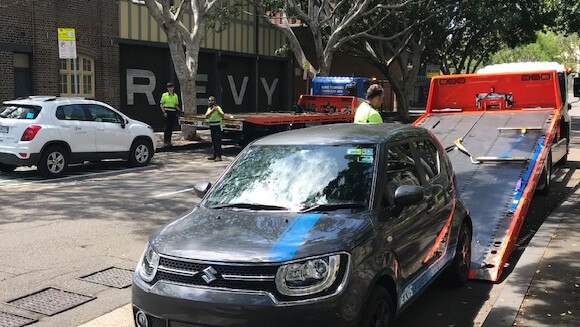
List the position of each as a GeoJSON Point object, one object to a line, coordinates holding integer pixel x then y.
{"type": "Point", "coordinates": [66, 34]}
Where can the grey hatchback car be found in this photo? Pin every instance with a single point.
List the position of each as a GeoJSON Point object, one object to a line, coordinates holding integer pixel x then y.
{"type": "Point", "coordinates": [334, 225]}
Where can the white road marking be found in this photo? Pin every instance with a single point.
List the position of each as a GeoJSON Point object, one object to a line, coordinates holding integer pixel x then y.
{"type": "Point", "coordinates": [171, 193]}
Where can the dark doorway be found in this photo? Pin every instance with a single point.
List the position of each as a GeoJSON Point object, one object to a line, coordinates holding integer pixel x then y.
{"type": "Point", "coordinates": [22, 75]}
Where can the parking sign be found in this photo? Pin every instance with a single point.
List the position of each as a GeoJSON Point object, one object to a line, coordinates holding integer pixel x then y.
{"type": "Point", "coordinates": [67, 47]}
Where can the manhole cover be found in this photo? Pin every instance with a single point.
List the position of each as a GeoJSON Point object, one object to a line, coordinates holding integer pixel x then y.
{"type": "Point", "coordinates": [113, 277]}
{"type": "Point", "coordinates": [50, 301]}
{"type": "Point", "coordinates": [10, 320]}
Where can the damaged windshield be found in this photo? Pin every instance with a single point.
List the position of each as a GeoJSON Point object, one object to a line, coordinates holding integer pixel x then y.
{"type": "Point", "coordinates": [298, 177]}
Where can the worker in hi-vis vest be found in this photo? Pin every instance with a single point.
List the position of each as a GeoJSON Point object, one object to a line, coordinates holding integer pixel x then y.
{"type": "Point", "coordinates": [169, 105]}
{"type": "Point", "coordinates": [214, 116]}
{"type": "Point", "coordinates": [368, 111]}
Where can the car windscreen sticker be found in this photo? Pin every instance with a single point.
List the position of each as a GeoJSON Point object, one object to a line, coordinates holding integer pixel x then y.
{"type": "Point", "coordinates": [365, 159]}
{"type": "Point", "coordinates": [360, 152]}
{"type": "Point", "coordinates": [30, 115]}
{"type": "Point", "coordinates": [285, 247]}
{"type": "Point", "coordinates": [354, 152]}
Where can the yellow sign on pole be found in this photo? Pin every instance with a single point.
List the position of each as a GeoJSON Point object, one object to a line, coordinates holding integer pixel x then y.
{"type": "Point", "coordinates": [66, 34]}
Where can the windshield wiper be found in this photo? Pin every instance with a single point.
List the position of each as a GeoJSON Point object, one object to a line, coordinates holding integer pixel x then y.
{"type": "Point", "coordinates": [334, 206]}
{"type": "Point", "coordinates": [251, 206]}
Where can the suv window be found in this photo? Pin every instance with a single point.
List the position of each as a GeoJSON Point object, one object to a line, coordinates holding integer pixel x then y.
{"type": "Point", "coordinates": [103, 114]}
{"type": "Point", "coordinates": [19, 111]}
{"type": "Point", "coordinates": [429, 157]}
{"type": "Point", "coordinates": [401, 168]}
{"type": "Point", "coordinates": [71, 112]}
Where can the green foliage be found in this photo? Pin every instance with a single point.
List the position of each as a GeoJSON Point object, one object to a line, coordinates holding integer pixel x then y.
{"type": "Point", "coordinates": [565, 15]}
{"type": "Point", "coordinates": [467, 32]}
{"type": "Point", "coordinates": [221, 18]}
{"type": "Point", "coordinates": [283, 51]}
{"type": "Point", "coordinates": [549, 46]}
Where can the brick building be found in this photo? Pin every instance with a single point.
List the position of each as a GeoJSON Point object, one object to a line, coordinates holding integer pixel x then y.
{"type": "Point", "coordinates": [29, 62]}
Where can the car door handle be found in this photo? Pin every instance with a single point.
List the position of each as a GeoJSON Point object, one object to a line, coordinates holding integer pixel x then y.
{"type": "Point", "coordinates": [100, 129]}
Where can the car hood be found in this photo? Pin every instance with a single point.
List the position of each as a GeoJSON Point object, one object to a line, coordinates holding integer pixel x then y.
{"type": "Point", "coordinates": [260, 236]}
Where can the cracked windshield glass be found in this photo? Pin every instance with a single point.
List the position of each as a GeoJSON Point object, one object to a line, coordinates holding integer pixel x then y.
{"type": "Point", "coordinates": [298, 177]}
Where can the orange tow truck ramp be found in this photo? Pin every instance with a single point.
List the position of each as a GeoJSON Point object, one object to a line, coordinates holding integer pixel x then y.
{"type": "Point", "coordinates": [503, 132]}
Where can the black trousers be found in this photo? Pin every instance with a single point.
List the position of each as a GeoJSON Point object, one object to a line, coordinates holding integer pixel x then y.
{"type": "Point", "coordinates": [170, 121]}
{"type": "Point", "coordinates": [216, 140]}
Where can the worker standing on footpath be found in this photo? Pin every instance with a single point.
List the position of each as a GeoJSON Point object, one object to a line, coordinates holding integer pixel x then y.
{"type": "Point", "coordinates": [169, 105]}
{"type": "Point", "coordinates": [214, 116]}
{"type": "Point", "coordinates": [368, 112]}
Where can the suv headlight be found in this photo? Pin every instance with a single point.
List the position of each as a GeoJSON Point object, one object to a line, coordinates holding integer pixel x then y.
{"type": "Point", "coordinates": [148, 265]}
{"type": "Point", "coordinates": [307, 277]}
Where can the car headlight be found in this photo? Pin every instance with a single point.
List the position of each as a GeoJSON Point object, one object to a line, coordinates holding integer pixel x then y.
{"type": "Point", "coordinates": [307, 277]}
{"type": "Point", "coordinates": [148, 265]}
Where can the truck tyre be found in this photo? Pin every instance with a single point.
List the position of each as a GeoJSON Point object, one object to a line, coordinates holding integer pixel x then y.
{"type": "Point", "coordinates": [545, 177]}
{"type": "Point", "coordinates": [53, 161]}
{"type": "Point", "coordinates": [140, 154]}
{"type": "Point", "coordinates": [379, 311]}
{"type": "Point", "coordinates": [565, 133]}
{"type": "Point", "coordinates": [458, 272]}
{"type": "Point", "coordinates": [7, 168]}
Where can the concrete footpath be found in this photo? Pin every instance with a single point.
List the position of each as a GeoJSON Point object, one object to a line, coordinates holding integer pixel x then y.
{"type": "Point", "coordinates": [544, 287]}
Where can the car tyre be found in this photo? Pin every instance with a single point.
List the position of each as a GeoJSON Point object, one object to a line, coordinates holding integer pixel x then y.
{"type": "Point", "coordinates": [7, 168]}
{"type": "Point", "coordinates": [53, 162]}
{"type": "Point", "coordinates": [380, 311]}
{"type": "Point", "coordinates": [140, 154]}
{"type": "Point", "coordinates": [458, 272]}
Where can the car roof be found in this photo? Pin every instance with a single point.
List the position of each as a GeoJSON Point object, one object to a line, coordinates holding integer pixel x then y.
{"type": "Point", "coordinates": [518, 67]}
{"type": "Point", "coordinates": [40, 100]}
{"type": "Point", "coordinates": [335, 134]}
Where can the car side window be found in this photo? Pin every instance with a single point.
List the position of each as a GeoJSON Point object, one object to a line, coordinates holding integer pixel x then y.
{"type": "Point", "coordinates": [103, 114]}
{"type": "Point", "coordinates": [401, 168]}
{"type": "Point", "coordinates": [71, 112]}
{"type": "Point", "coordinates": [429, 158]}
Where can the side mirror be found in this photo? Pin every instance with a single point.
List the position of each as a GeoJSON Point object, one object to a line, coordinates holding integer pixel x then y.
{"type": "Point", "coordinates": [123, 122]}
{"type": "Point", "coordinates": [577, 87]}
{"type": "Point", "coordinates": [406, 195]}
{"type": "Point", "coordinates": [201, 188]}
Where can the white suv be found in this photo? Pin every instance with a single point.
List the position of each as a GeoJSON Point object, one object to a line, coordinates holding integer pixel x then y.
{"type": "Point", "coordinates": [53, 132]}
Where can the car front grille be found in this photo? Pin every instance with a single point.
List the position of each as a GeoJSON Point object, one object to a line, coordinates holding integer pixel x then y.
{"type": "Point", "coordinates": [242, 277]}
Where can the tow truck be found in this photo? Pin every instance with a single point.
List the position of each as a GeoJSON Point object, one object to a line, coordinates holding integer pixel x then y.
{"type": "Point", "coordinates": [333, 100]}
{"type": "Point", "coordinates": [504, 128]}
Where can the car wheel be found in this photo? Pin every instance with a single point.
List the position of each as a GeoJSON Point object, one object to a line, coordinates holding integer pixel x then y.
{"type": "Point", "coordinates": [545, 177]}
{"type": "Point", "coordinates": [458, 271]}
{"type": "Point", "coordinates": [7, 168]}
{"type": "Point", "coordinates": [380, 311]}
{"type": "Point", "coordinates": [53, 162]}
{"type": "Point", "coordinates": [140, 154]}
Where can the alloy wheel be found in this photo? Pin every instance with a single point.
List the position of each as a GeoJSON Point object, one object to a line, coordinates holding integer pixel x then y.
{"type": "Point", "coordinates": [55, 162]}
{"type": "Point", "coordinates": [141, 153]}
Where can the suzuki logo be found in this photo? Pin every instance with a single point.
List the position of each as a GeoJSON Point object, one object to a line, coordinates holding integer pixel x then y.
{"type": "Point", "coordinates": [209, 274]}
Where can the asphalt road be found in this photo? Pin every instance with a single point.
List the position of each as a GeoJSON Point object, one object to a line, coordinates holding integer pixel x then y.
{"type": "Point", "coordinates": [54, 232]}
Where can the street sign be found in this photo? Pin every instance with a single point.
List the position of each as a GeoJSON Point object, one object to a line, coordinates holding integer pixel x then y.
{"type": "Point", "coordinates": [67, 47]}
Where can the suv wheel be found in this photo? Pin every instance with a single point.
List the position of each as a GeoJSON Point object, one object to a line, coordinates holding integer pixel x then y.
{"type": "Point", "coordinates": [140, 154]}
{"type": "Point", "coordinates": [7, 168]}
{"type": "Point", "coordinates": [53, 162]}
{"type": "Point", "coordinates": [458, 271]}
{"type": "Point", "coordinates": [380, 311]}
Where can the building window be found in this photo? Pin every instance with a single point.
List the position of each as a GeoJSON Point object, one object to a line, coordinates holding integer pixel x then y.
{"type": "Point", "coordinates": [85, 77]}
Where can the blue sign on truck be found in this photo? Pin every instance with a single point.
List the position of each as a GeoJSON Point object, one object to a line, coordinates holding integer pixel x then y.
{"type": "Point", "coordinates": [355, 86]}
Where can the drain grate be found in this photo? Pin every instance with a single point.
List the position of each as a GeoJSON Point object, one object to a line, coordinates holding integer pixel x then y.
{"type": "Point", "coordinates": [50, 301]}
{"type": "Point", "coordinates": [10, 320]}
{"type": "Point", "coordinates": [112, 277]}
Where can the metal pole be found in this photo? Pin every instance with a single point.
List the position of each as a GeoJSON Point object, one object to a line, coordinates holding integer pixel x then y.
{"type": "Point", "coordinates": [76, 92]}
